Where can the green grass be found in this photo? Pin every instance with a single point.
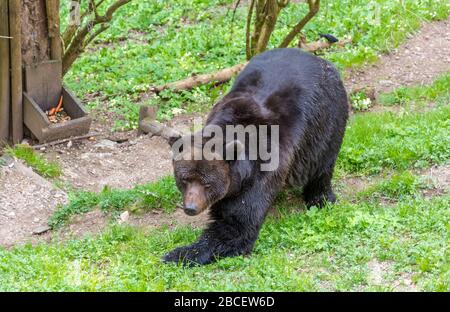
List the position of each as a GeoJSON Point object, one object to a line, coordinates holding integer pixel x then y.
{"type": "Point", "coordinates": [409, 138]}
{"type": "Point", "coordinates": [377, 141]}
{"type": "Point", "coordinates": [171, 40]}
{"type": "Point", "coordinates": [159, 195]}
{"type": "Point", "coordinates": [394, 187]}
{"type": "Point", "coordinates": [437, 92]}
{"type": "Point", "coordinates": [327, 249]}
{"type": "Point", "coordinates": [39, 164]}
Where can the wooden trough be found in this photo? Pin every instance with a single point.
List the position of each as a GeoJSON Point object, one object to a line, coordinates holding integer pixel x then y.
{"type": "Point", "coordinates": [43, 90]}
{"type": "Point", "coordinates": [31, 74]}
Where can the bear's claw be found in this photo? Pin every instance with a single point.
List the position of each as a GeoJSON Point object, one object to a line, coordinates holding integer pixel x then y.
{"type": "Point", "coordinates": [189, 256]}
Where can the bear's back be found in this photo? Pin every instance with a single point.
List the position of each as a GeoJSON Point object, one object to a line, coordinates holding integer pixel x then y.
{"type": "Point", "coordinates": [279, 69]}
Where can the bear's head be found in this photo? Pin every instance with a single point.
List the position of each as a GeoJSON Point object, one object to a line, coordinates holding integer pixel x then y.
{"type": "Point", "coordinates": [202, 175]}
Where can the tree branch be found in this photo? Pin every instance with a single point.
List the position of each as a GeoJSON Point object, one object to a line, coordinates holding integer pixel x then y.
{"type": "Point", "coordinates": [248, 47]}
{"type": "Point", "coordinates": [271, 16]}
{"type": "Point", "coordinates": [77, 38]}
{"type": "Point", "coordinates": [314, 6]}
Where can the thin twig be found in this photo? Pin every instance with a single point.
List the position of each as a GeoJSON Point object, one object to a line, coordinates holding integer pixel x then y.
{"type": "Point", "coordinates": [76, 138]}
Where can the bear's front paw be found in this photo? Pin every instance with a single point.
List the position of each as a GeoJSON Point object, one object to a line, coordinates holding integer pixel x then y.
{"type": "Point", "coordinates": [190, 255]}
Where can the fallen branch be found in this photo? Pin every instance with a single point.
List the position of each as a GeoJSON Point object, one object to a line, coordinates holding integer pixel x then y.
{"type": "Point", "coordinates": [226, 74]}
{"type": "Point", "coordinates": [148, 125]}
{"type": "Point", "coordinates": [77, 138]}
{"type": "Point", "coordinates": [220, 77]}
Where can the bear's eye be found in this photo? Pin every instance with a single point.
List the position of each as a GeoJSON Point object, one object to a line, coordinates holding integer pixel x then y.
{"type": "Point", "coordinates": [207, 185]}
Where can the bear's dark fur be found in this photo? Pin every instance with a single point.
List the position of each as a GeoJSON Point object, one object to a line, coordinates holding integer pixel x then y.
{"type": "Point", "coordinates": [304, 95]}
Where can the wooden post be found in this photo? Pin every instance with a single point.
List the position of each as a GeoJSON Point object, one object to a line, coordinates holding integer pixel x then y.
{"type": "Point", "coordinates": [4, 73]}
{"type": "Point", "coordinates": [54, 28]}
{"type": "Point", "coordinates": [15, 12]}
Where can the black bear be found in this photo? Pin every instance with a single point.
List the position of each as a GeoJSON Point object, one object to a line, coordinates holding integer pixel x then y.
{"type": "Point", "coordinates": [304, 97]}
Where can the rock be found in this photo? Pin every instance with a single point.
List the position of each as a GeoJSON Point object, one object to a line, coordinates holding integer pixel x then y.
{"type": "Point", "coordinates": [69, 145]}
{"type": "Point", "coordinates": [108, 144]}
{"type": "Point", "coordinates": [124, 217]}
{"type": "Point", "coordinates": [25, 142]}
{"type": "Point", "coordinates": [41, 230]}
{"type": "Point", "coordinates": [386, 83]}
{"type": "Point", "coordinates": [7, 161]}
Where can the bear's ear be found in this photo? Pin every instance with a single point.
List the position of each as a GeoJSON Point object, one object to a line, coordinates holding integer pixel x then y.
{"type": "Point", "coordinates": [176, 144]}
{"type": "Point", "coordinates": [173, 139]}
{"type": "Point", "coordinates": [234, 150]}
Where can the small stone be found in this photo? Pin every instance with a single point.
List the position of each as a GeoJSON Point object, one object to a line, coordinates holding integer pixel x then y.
{"type": "Point", "coordinates": [124, 217]}
{"type": "Point", "coordinates": [69, 145]}
{"type": "Point", "coordinates": [42, 148]}
{"type": "Point", "coordinates": [105, 144]}
{"type": "Point", "coordinates": [41, 230]}
{"type": "Point", "coordinates": [386, 83]}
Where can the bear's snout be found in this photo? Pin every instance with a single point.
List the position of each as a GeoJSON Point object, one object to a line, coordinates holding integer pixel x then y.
{"type": "Point", "coordinates": [194, 199]}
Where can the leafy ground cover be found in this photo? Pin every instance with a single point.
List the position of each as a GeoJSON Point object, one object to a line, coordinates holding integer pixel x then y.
{"type": "Point", "coordinates": [153, 42]}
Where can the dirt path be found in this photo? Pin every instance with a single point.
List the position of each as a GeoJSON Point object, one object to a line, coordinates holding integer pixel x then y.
{"type": "Point", "coordinates": [419, 60]}
{"type": "Point", "coordinates": [26, 202]}
{"type": "Point", "coordinates": [123, 160]}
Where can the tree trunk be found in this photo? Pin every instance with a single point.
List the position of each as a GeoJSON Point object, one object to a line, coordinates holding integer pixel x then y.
{"type": "Point", "coordinates": [265, 15]}
{"type": "Point", "coordinates": [35, 42]}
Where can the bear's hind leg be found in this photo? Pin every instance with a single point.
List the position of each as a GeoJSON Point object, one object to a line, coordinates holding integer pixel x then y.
{"type": "Point", "coordinates": [318, 191]}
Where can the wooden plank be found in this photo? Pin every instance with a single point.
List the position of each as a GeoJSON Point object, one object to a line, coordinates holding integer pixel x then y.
{"type": "Point", "coordinates": [70, 128]}
{"type": "Point", "coordinates": [72, 105]}
{"type": "Point", "coordinates": [43, 83]}
{"type": "Point", "coordinates": [15, 10]}
{"type": "Point", "coordinates": [4, 73]}
{"type": "Point", "coordinates": [33, 117]}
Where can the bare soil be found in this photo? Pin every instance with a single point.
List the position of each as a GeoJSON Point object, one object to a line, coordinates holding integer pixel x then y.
{"type": "Point", "coordinates": [379, 272]}
{"type": "Point", "coordinates": [26, 202]}
{"type": "Point", "coordinates": [123, 160]}
{"type": "Point", "coordinates": [423, 57]}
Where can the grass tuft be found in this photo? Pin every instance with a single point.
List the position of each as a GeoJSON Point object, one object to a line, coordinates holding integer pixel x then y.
{"type": "Point", "coordinates": [159, 195]}
{"type": "Point", "coordinates": [378, 141]}
{"type": "Point", "coordinates": [437, 92]}
{"type": "Point", "coordinates": [37, 162]}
